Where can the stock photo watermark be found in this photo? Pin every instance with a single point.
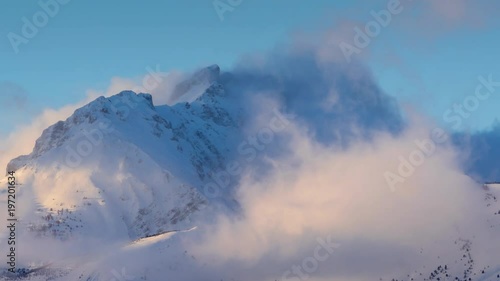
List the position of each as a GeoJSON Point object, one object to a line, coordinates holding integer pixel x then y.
{"type": "Point", "coordinates": [121, 276]}
{"type": "Point", "coordinates": [249, 148]}
{"type": "Point", "coordinates": [427, 147]}
{"type": "Point", "coordinates": [31, 26]}
{"type": "Point", "coordinates": [364, 36]}
{"type": "Point", "coordinates": [223, 6]}
{"type": "Point", "coordinates": [93, 138]}
{"type": "Point", "coordinates": [407, 165]}
{"type": "Point", "coordinates": [471, 103]}
{"type": "Point", "coordinates": [310, 264]}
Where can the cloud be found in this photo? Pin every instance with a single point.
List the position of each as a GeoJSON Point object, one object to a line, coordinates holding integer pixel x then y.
{"type": "Point", "coordinates": [156, 82]}
{"type": "Point", "coordinates": [479, 153]}
{"type": "Point", "coordinates": [321, 191]}
{"type": "Point", "coordinates": [450, 10]}
{"type": "Point", "coordinates": [462, 13]}
{"type": "Point", "coordinates": [22, 140]}
{"type": "Point", "coordinates": [326, 191]}
{"type": "Point", "coordinates": [324, 177]}
{"type": "Point", "coordinates": [334, 99]}
{"type": "Point", "coordinates": [321, 178]}
{"type": "Point", "coordinates": [431, 20]}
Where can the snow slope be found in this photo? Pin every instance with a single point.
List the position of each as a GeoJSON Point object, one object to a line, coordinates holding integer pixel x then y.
{"type": "Point", "coordinates": [121, 168]}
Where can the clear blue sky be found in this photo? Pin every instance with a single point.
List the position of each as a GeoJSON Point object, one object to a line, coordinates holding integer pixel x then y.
{"type": "Point", "coordinates": [88, 42]}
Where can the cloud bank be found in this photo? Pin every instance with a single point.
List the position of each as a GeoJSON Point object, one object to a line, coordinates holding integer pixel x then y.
{"type": "Point", "coordinates": [330, 184]}
{"type": "Point", "coordinates": [316, 205]}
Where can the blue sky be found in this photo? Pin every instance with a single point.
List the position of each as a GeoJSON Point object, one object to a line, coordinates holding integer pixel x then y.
{"type": "Point", "coordinates": [430, 64]}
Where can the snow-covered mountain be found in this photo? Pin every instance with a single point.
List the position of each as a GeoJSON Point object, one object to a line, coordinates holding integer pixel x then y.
{"type": "Point", "coordinates": [124, 169]}
{"type": "Point", "coordinates": [136, 167]}
{"type": "Point", "coordinates": [190, 89]}
{"type": "Point", "coordinates": [120, 183]}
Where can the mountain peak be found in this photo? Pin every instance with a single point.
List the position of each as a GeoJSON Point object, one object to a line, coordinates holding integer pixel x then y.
{"type": "Point", "coordinates": [196, 84]}
{"type": "Point", "coordinates": [118, 104]}
{"type": "Point", "coordinates": [214, 68]}
{"type": "Point", "coordinates": [124, 105]}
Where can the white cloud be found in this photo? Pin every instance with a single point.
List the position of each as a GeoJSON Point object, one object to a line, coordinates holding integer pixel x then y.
{"type": "Point", "coordinates": [321, 191]}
